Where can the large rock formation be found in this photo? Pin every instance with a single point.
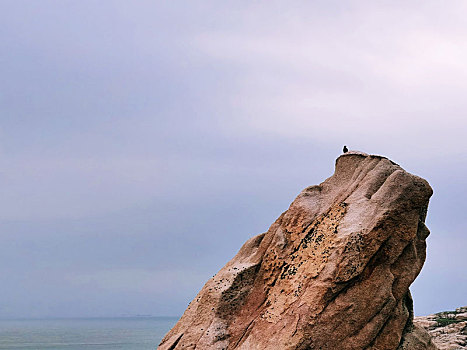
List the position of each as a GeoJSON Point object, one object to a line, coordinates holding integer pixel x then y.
{"type": "Point", "coordinates": [333, 271]}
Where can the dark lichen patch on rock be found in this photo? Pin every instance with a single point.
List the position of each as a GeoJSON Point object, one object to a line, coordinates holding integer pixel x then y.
{"type": "Point", "coordinates": [327, 224]}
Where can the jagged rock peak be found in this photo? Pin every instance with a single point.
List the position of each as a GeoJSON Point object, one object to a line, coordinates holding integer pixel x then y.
{"type": "Point", "coordinates": [332, 272]}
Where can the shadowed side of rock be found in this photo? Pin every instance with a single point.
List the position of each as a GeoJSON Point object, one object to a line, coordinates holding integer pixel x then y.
{"type": "Point", "coordinates": [333, 271]}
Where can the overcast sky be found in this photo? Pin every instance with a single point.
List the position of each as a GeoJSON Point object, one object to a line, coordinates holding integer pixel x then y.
{"type": "Point", "coordinates": [142, 142]}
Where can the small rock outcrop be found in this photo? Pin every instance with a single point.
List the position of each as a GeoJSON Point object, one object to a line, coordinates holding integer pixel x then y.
{"type": "Point", "coordinates": [448, 329]}
{"type": "Point", "coordinates": [333, 271]}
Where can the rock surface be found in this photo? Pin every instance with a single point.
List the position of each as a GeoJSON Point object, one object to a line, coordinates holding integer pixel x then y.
{"type": "Point", "coordinates": [448, 329]}
{"type": "Point", "coordinates": [333, 271]}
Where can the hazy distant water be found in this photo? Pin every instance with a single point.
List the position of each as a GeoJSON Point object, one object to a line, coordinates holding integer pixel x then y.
{"type": "Point", "coordinates": [139, 333]}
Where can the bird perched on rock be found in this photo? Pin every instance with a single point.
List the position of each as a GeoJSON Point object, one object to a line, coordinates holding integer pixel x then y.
{"type": "Point", "coordinates": [345, 150]}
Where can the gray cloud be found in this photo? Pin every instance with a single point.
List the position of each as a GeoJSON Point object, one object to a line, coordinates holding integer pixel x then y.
{"type": "Point", "coordinates": [142, 143]}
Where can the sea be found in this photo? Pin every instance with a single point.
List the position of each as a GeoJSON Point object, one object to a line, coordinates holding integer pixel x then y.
{"type": "Point", "coordinates": [129, 333]}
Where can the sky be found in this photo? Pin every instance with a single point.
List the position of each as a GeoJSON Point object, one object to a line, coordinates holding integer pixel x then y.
{"type": "Point", "coordinates": [143, 142]}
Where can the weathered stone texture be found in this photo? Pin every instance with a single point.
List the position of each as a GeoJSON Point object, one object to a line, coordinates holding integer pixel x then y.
{"type": "Point", "coordinates": [448, 329]}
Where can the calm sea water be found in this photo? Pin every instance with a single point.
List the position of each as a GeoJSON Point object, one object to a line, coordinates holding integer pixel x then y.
{"type": "Point", "coordinates": [139, 333]}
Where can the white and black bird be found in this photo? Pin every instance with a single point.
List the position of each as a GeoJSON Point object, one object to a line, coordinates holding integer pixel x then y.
{"type": "Point", "coordinates": [345, 150]}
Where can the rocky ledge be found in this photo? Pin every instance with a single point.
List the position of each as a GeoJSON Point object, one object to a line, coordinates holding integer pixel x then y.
{"type": "Point", "coordinates": [448, 329]}
{"type": "Point", "coordinates": [332, 272]}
